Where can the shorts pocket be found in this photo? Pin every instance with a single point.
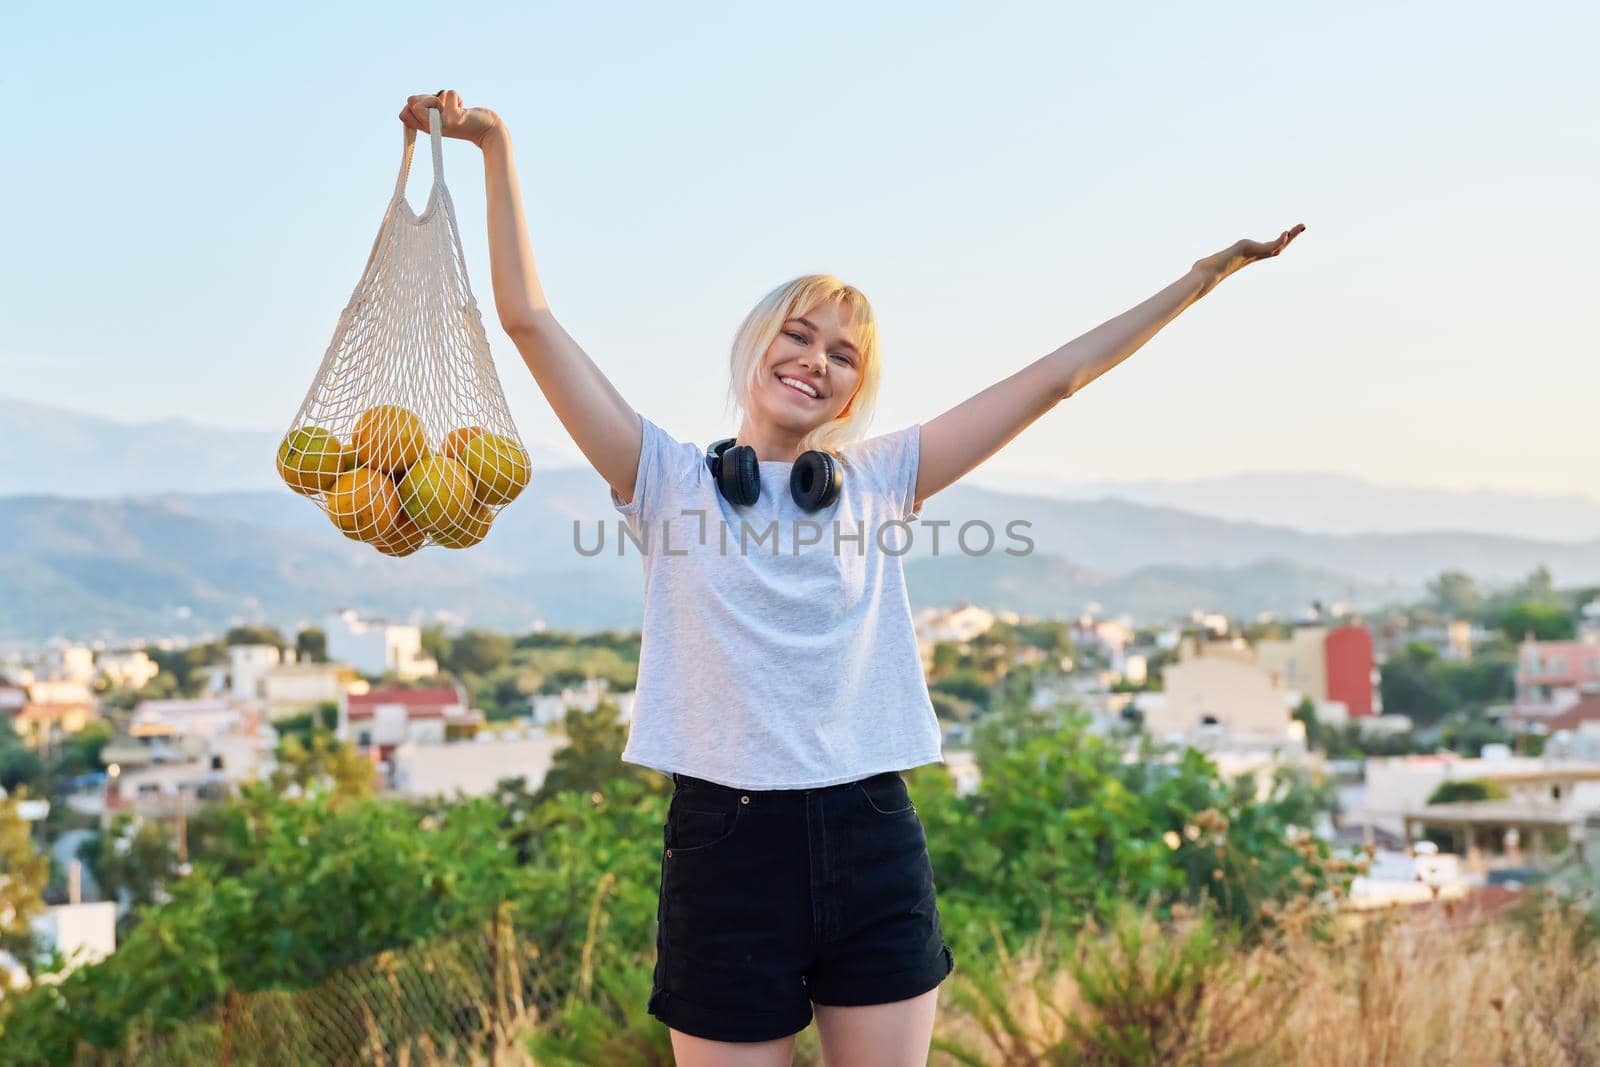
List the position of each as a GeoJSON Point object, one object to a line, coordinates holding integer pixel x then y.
{"type": "Point", "coordinates": [698, 823]}
{"type": "Point", "coordinates": [886, 794]}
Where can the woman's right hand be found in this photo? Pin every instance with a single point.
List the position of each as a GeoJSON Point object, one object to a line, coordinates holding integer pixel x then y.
{"type": "Point", "coordinates": [469, 124]}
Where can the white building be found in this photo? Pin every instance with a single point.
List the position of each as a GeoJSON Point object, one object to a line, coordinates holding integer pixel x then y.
{"type": "Point", "coordinates": [383, 719]}
{"type": "Point", "coordinates": [1221, 699]}
{"type": "Point", "coordinates": [1589, 622]}
{"type": "Point", "coordinates": [551, 708]}
{"type": "Point", "coordinates": [1110, 636]}
{"type": "Point", "coordinates": [85, 933]}
{"type": "Point", "coordinates": [961, 623]}
{"type": "Point", "coordinates": [295, 688]}
{"type": "Point", "coordinates": [127, 670]}
{"type": "Point", "coordinates": [73, 663]}
{"type": "Point", "coordinates": [181, 753]}
{"type": "Point", "coordinates": [474, 767]}
{"type": "Point", "coordinates": [374, 646]}
{"type": "Point", "coordinates": [60, 691]}
{"type": "Point", "coordinates": [182, 719]}
{"type": "Point", "coordinates": [247, 669]}
{"type": "Point", "coordinates": [1398, 787]}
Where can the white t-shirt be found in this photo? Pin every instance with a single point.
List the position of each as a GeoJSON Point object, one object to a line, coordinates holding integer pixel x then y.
{"type": "Point", "coordinates": [769, 660]}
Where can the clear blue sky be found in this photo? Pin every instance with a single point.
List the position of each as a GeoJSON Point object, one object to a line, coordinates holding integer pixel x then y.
{"type": "Point", "coordinates": [193, 190]}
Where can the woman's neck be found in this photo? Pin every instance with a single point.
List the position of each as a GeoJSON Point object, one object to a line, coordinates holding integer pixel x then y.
{"type": "Point", "coordinates": [772, 445]}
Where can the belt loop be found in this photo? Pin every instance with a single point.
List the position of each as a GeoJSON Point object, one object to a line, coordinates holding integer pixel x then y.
{"type": "Point", "coordinates": [675, 780]}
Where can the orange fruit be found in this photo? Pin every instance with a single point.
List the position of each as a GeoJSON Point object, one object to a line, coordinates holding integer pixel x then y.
{"type": "Point", "coordinates": [468, 532]}
{"type": "Point", "coordinates": [499, 467]}
{"type": "Point", "coordinates": [364, 505]}
{"type": "Point", "coordinates": [388, 438]}
{"type": "Point", "coordinates": [402, 539]}
{"type": "Point", "coordinates": [436, 493]}
{"type": "Point", "coordinates": [456, 440]}
{"type": "Point", "coordinates": [310, 458]}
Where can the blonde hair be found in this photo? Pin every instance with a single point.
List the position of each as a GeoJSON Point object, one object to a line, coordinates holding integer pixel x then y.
{"type": "Point", "coordinates": [761, 326]}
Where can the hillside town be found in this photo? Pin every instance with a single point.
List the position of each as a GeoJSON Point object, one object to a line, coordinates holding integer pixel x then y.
{"type": "Point", "coordinates": [106, 751]}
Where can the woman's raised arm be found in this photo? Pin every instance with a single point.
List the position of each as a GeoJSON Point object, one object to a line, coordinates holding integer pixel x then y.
{"type": "Point", "coordinates": [606, 429]}
{"type": "Point", "coordinates": [969, 433]}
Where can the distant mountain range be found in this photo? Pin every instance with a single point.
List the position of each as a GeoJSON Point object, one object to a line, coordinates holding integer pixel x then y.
{"type": "Point", "coordinates": [183, 564]}
{"type": "Point", "coordinates": [1319, 502]}
{"type": "Point", "coordinates": [57, 452]}
{"type": "Point", "coordinates": [144, 563]}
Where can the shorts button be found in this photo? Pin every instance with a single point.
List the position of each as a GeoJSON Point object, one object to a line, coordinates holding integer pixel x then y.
{"type": "Point", "coordinates": [744, 800]}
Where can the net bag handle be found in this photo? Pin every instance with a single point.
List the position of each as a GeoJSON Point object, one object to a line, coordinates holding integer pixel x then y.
{"type": "Point", "coordinates": [437, 194]}
{"type": "Point", "coordinates": [436, 135]}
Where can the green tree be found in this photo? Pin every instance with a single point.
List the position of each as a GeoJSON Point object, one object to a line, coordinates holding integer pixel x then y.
{"type": "Point", "coordinates": [185, 667]}
{"type": "Point", "coordinates": [1467, 734]}
{"type": "Point", "coordinates": [311, 645]}
{"type": "Point", "coordinates": [133, 859]}
{"type": "Point", "coordinates": [23, 874]}
{"type": "Point", "coordinates": [1485, 681]}
{"type": "Point", "coordinates": [1456, 595]}
{"type": "Point", "coordinates": [946, 655]}
{"type": "Point", "coordinates": [1537, 586]}
{"type": "Point", "coordinates": [969, 684]}
{"type": "Point", "coordinates": [255, 635]}
{"type": "Point", "coordinates": [592, 756]}
{"type": "Point", "coordinates": [1306, 712]}
{"type": "Point", "coordinates": [1064, 825]}
{"type": "Point", "coordinates": [562, 678]}
{"type": "Point", "coordinates": [324, 717]}
{"type": "Point", "coordinates": [324, 763]}
{"type": "Point", "coordinates": [435, 643]}
{"type": "Point", "coordinates": [1456, 791]}
{"type": "Point", "coordinates": [19, 763]}
{"type": "Point", "coordinates": [79, 753]}
{"type": "Point", "coordinates": [1050, 636]}
{"type": "Point", "coordinates": [1410, 685]}
{"type": "Point", "coordinates": [1545, 621]}
{"type": "Point", "coordinates": [477, 652]}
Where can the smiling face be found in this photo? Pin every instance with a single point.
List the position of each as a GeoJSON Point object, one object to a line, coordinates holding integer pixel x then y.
{"type": "Point", "coordinates": [810, 372]}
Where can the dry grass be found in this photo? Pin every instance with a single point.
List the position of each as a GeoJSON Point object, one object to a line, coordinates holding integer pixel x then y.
{"type": "Point", "coordinates": [1435, 986]}
{"type": "Point", "coordinates": [1393, 991]}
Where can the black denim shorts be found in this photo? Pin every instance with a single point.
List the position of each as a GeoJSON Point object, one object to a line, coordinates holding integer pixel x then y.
{"type": "Point", "coordinates": [773, 899]}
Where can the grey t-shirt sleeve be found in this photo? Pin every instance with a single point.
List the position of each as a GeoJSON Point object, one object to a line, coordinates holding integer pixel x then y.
{"type": "Point", "coordinates": [889, 462]}
{"type": "Point", "coordinates": [663, 463]}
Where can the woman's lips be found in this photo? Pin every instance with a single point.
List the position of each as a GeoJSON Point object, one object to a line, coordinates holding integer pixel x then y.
{"type": "Point", "coordinates": [792, 389]}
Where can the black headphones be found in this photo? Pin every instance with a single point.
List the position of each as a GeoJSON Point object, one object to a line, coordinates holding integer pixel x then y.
{"type": "Point", "coordinates": [814, 483]}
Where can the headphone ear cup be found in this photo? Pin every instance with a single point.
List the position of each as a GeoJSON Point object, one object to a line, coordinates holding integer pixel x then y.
{"type": "Point", "coordinates": [815, 481]}
{"type": "Point", "coordinates": [740, 479]}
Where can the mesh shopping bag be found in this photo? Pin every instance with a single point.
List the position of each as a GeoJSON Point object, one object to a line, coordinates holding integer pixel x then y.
{"type": "Point", "coordinates": [404, 438]}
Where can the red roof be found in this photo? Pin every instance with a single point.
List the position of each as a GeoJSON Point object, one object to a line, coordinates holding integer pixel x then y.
{"type": "Point", "coordinates": [419, 703]}
{"type": "Point", "coordinates": [1585, 710]}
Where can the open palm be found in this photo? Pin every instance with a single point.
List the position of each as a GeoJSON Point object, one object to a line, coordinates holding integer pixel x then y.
{"type": "Point", "coordinates": [1244, 252]}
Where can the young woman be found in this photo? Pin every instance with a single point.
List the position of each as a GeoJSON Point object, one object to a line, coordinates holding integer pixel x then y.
{"type": "Point", "coordinates": [780, 683]}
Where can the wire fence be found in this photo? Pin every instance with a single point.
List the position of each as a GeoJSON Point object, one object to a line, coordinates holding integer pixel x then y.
{"type": "Point", "coordinates": [468, 999]}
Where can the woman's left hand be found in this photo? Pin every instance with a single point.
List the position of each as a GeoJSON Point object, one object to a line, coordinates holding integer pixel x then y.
{"type": "Point", "coordinates": [1241, 253]}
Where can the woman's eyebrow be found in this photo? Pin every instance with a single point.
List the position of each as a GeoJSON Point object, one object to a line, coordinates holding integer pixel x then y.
{"type": "Point", "coordinates": [813, 326]}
